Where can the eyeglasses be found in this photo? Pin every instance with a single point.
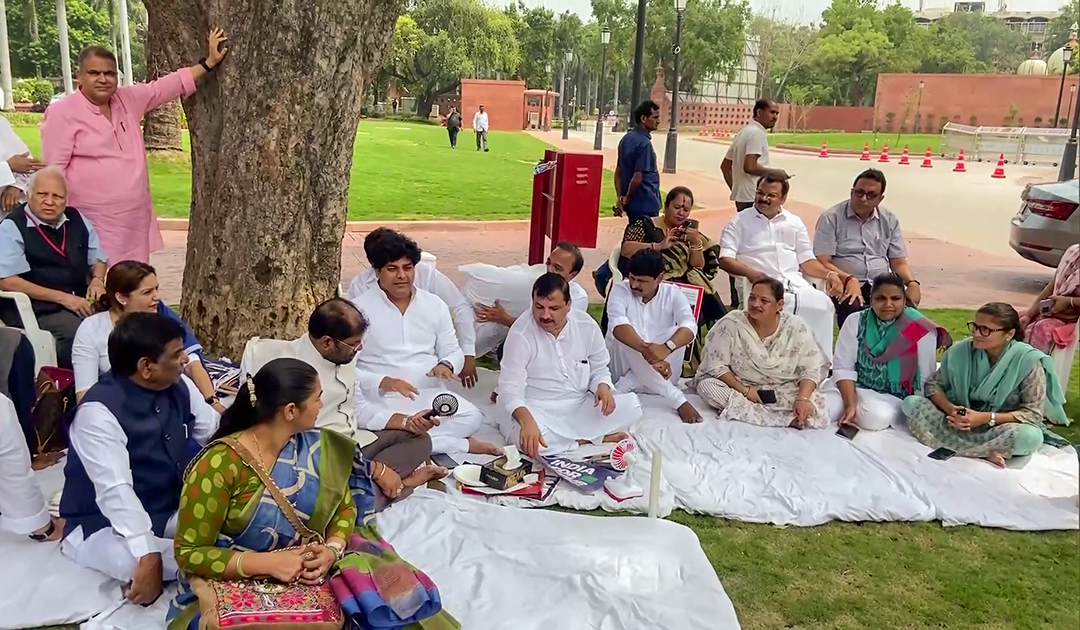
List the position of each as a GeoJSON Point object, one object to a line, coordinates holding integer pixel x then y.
{"type": "Point", "coordinates": [983, 331]}
{"type": "Point", "coordinates": [768, 196]}
{"type": "Point", "coordinates": [352, 349]}
{"type": "Point", "coordinates": [862, 194]}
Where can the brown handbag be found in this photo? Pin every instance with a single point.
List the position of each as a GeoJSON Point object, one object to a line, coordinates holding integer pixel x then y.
{"type": "Point", "coordinates": [55, 400]}
{"type": "Point", "coordinates": [267, 605]}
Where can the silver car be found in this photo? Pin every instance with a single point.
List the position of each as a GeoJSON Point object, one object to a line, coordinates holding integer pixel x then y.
{"type": "Point", "coordinates": [1048, 222]}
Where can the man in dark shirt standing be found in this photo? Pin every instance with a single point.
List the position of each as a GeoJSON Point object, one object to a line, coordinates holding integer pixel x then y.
{"type": "Point", "coordinates": [637, 180]}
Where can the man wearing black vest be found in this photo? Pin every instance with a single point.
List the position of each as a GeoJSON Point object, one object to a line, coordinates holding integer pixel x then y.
{"type": "Point", "coordinates": [51, 253]}
{"type": "Point", "coordinates": [133, 435]}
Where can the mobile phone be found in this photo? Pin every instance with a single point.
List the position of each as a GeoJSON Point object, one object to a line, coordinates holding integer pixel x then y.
{"type": "Point", "coordinates": [847, 431]}
{"type": "Point", "coordinates": [691, 224]}
{"type": "Point", "coordinates": [942, 454]}
{"type": "Point", "coordinates": [1046, 306]}
{"type": "Point", "coordinates": [444, 460]}
{"type": "Point", "coordinates": [767, 396]}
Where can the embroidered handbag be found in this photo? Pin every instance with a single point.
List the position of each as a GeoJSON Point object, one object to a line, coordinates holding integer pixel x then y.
{"type": "Point", "coordinates": [267, 605]}
{"type": "Point", "coordinates": [55, 400]}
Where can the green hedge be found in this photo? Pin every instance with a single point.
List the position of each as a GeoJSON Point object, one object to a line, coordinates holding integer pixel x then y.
{"type": "Point", "coordinates": [32, 91]}
{"type": "Point", "coordinates": [24, 119]}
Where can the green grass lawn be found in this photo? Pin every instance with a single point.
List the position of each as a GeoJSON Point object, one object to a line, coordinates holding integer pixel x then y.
{"type": "Point", "coordinates": [400, 171]}
{"type": "Point", "coordinates": [917, 143]}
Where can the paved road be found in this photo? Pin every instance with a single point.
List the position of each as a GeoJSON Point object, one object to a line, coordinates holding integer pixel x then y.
{"type": "Point", "coordinates": [956, 224]}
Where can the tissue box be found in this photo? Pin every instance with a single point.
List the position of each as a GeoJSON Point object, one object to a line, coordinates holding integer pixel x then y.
{"type": "Point", "coordinates": [494, 475]}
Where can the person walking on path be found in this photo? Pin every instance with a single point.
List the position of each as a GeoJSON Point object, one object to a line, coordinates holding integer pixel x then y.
{"type": "Point", "coordinates": [453, 126]}
{"type": "Point", "coordinates": [747, 161]}
{"type": "Point", "coordinates": [95, 137]}
{"type": "Point", "coordinates": [480, 125]}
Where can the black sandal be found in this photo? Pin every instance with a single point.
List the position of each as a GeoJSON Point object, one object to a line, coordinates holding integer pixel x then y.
{"type": "Point", "coordinates": [48, 532]}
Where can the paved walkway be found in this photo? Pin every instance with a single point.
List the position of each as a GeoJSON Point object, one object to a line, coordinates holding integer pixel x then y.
{"type": "Point", "coordinates": [975, 268]}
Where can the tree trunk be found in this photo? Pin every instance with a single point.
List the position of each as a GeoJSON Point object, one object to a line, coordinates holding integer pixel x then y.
{"type": "Point", "coordinates": [423, 107]}
{"type": "Point", "coordinates": [616, 92]}
{"type": "Point", "coordinates": [272, 136]}
{"type": "Point", "coordinates": [161, 127]}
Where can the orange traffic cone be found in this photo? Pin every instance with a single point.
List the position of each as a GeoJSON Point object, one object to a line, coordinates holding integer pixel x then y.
{"type": "Point", "coordinates": [904, 161]}
{"type": "Point", "coordinates": [865, 153]}
{"type": "Point", "coordinates": [926, 160]}
{"type": "Point", "coordinates": [884, 153]}
{"type": "Point", "coordinates": [960, 168]}
{"type": "Point", "coordinates": [999, 172]}
{"type": "Point", "coordinates": [824, 149]}
{"type": "Point", "coordinates": [716, 133]}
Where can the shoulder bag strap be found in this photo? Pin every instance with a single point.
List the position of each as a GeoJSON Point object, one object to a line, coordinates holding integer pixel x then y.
{"type": "Point", "coordinates": [287, 508]}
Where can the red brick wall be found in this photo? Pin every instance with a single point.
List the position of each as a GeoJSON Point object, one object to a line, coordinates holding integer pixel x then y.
{"type": "Point", "coordinates": [504, 102]}
{"type": "Point", "coordinates": [826, 117]}
{"type": "Point", "coordinates": [964, 98]}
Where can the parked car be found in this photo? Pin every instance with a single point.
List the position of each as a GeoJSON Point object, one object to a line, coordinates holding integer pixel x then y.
{"type": "Point", "coordinates": [1047, 223]}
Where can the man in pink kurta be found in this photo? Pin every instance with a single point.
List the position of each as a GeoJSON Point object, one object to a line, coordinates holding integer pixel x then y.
{"type": "Point", "coordinates": [95, 136]}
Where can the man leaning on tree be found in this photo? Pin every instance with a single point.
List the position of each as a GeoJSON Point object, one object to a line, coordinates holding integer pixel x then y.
{"type": "Point", "coordinates": [95, 137]}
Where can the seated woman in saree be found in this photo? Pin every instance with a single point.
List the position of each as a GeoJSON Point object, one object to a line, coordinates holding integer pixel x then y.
{"type": "Point", "coordinates": [991, 394]}
{"type": "Point", "coordinates": [883, 355]}
{"type": "Point", "coordinates": [235, 528]}
{"type": "Point", "coordinates": [130, 287]}
{"type": "Point", "coordinates": [1050, 322]}
{"type": "Point", "coordinates": [689, 258]}
{"type": "Point", "coordinates": [763, 366]}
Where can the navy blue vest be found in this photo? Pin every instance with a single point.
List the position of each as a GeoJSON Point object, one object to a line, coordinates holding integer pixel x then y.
{"type": "Point", "coordinates": [157, 425]}
{"type": "Point", "coordinates": [67, 274]}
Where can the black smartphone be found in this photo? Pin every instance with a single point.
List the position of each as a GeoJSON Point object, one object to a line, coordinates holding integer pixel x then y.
{"type": "Point", "coordinates": [444, 460]}
{"type": "Point", "coordinates": [942, 454]}
{"type": "Point", "coordinates": [767, 396]}
{"type": "Point", "coordinates": [691, 224]}
{"type": "Point", "coordinates": [847, 431]}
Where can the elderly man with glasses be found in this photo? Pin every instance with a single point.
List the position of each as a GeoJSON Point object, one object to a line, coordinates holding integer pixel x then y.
{"type": "Point", "coordinates": [860, 240]}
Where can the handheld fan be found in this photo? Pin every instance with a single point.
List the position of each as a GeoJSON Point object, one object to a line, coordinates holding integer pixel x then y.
{"type": "Point", "coordinates": [445, 405]}
{"type": "Point", "coordinates": [624, 455]}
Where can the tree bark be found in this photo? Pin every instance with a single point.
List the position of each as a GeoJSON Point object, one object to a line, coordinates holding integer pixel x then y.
{"type": "Point", "coordinates": [161, 126]}
{"type": "Point", "coordinates": [272, 135]}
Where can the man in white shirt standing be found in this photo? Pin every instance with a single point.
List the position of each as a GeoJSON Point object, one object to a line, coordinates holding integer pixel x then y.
{"type": "Point", "coordinates": [769, 241]}
{"type": "Point", "coordinates": [650, 324]}
{"type": "Point", "coordinates": [131, 439]}
{"type": "Point", "coordinates": [412, 352]}
{"type": "Point", "coordinates": [480, 126]}
{"type": "Point", "coordinates": [17, 155]}
{"type": "Point", "coordinates": [747, 161]}
{"type": "Point", "coordinates": [432, 280]}
{"type": "Point", "coordinates": [555, 381]}
{"type": "Point", "coordinates": [335, 334]}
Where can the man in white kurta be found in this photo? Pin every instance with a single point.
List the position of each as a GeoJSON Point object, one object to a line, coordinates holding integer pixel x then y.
{"type": "Point", "coordinates": [650, 323]}
{"type": "Point", "coordinates": [767, 240]}
{"type": "Point", "coordinates": [22, 506]}
{"type": "Point", "coordinates": [411, 354]}
{"type": "Point", "coordinates": [554, 379]}
{"type": "Point", "coordinates": [430, 279]}
{"type": "Point", "coordinates": [16, 157]}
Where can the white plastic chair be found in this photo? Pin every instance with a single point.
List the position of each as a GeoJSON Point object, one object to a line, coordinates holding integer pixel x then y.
{"type": "Point", "coordinates": [42, 340]}
{"type": "Point", "coordinates": [613, 264]}
{"type": "Point", "coordinates": [743, 286]}
{"type": "Point", "coordinates": [1063, 358]}
{"type": "Point", "coordinates": [428, 257]}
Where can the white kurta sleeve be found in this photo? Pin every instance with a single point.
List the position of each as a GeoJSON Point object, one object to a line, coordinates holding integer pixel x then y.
{"type": "Point", "coordinates": [684, 313]}
{"type": "Point", "coordinates": [599, 374]}
{"type": "Point", "coordinates": [463, 315]}
{"type": "Point", "coordinates": [618, 306]}
{"type": "Point", "coordinates": [96, 436]}
{"type": "Point", "coordinates": [206, 417]}
{"type": "Point", "coordinates": [730, 239]}
{"type": "Point", "coordinates": [927, 353]}
{"type": "Point", "coordinates": [84, 356]}
{"type": "Point", "coordinates": [446, 341]}
{"type": "Point", "coordinates": [514, 369]}
{"type": "Point", "coordinates": [804, 249]}
{"type": "Point", "coordinates": [847, 349]}
{"type": "Point", "coordinates": [366, 414]}
{"type": "Point", "coordinates": [22, 506]}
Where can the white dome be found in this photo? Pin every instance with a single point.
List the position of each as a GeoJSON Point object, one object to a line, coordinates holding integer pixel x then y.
{"type": "Point", "coordinates": [1032, 67]}
{"type": "Point", "coordinates": [1056, 63]}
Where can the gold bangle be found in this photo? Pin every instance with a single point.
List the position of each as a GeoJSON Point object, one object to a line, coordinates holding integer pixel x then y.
{"type": "Point", "coordinates": [803, 399]}
{"type": "Point", "coordinates": [240, 566]}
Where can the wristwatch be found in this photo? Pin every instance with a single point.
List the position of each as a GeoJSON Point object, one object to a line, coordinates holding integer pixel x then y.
{"type": "Point", "coordinates": [993, 418]}
{"type": "Point", "coordinates": [670, 345]}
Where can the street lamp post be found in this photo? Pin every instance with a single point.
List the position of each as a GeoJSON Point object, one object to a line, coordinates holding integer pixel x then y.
{"type": "Point", "coordinates": [598, 139]}
{"type": "Point", "coordinates": [639, 55]}
{"type": "Point", "coordinates": [1066, 55]}
{"type": "Point", "coordinates": [918, 107]}
{"type": "Point", "coordinates": [1068, 160]}
{"type": "Point", "coordinates": [545, 118]}
{"type": "Point", "coordinates": [1072, 95]}
{"type": "Point", "coordinates": [671, 149]}
{"type": "Point", "coordinates": [565, 109]}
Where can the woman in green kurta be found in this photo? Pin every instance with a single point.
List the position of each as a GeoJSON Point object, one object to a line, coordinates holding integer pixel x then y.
{"type": "Point", "coordinates": [690, 257]}
{"type": "Point", "coordinates": [991, 394]}
{"type": "Point", "coordinates": [229, 526]}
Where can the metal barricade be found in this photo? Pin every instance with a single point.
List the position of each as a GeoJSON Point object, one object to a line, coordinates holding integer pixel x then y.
{"type": "Point", "coordinates": [990, 142]}
{"type": "Point", "coordinates": [956, 137]}
{"type": "Point", "coordinates": [1043, 146]}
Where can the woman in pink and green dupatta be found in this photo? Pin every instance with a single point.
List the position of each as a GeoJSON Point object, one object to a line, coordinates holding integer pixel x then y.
{"type": "Point", "coordinates": [1055, 325]}
{"type": "Point", "coordinates": [883, 354]}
